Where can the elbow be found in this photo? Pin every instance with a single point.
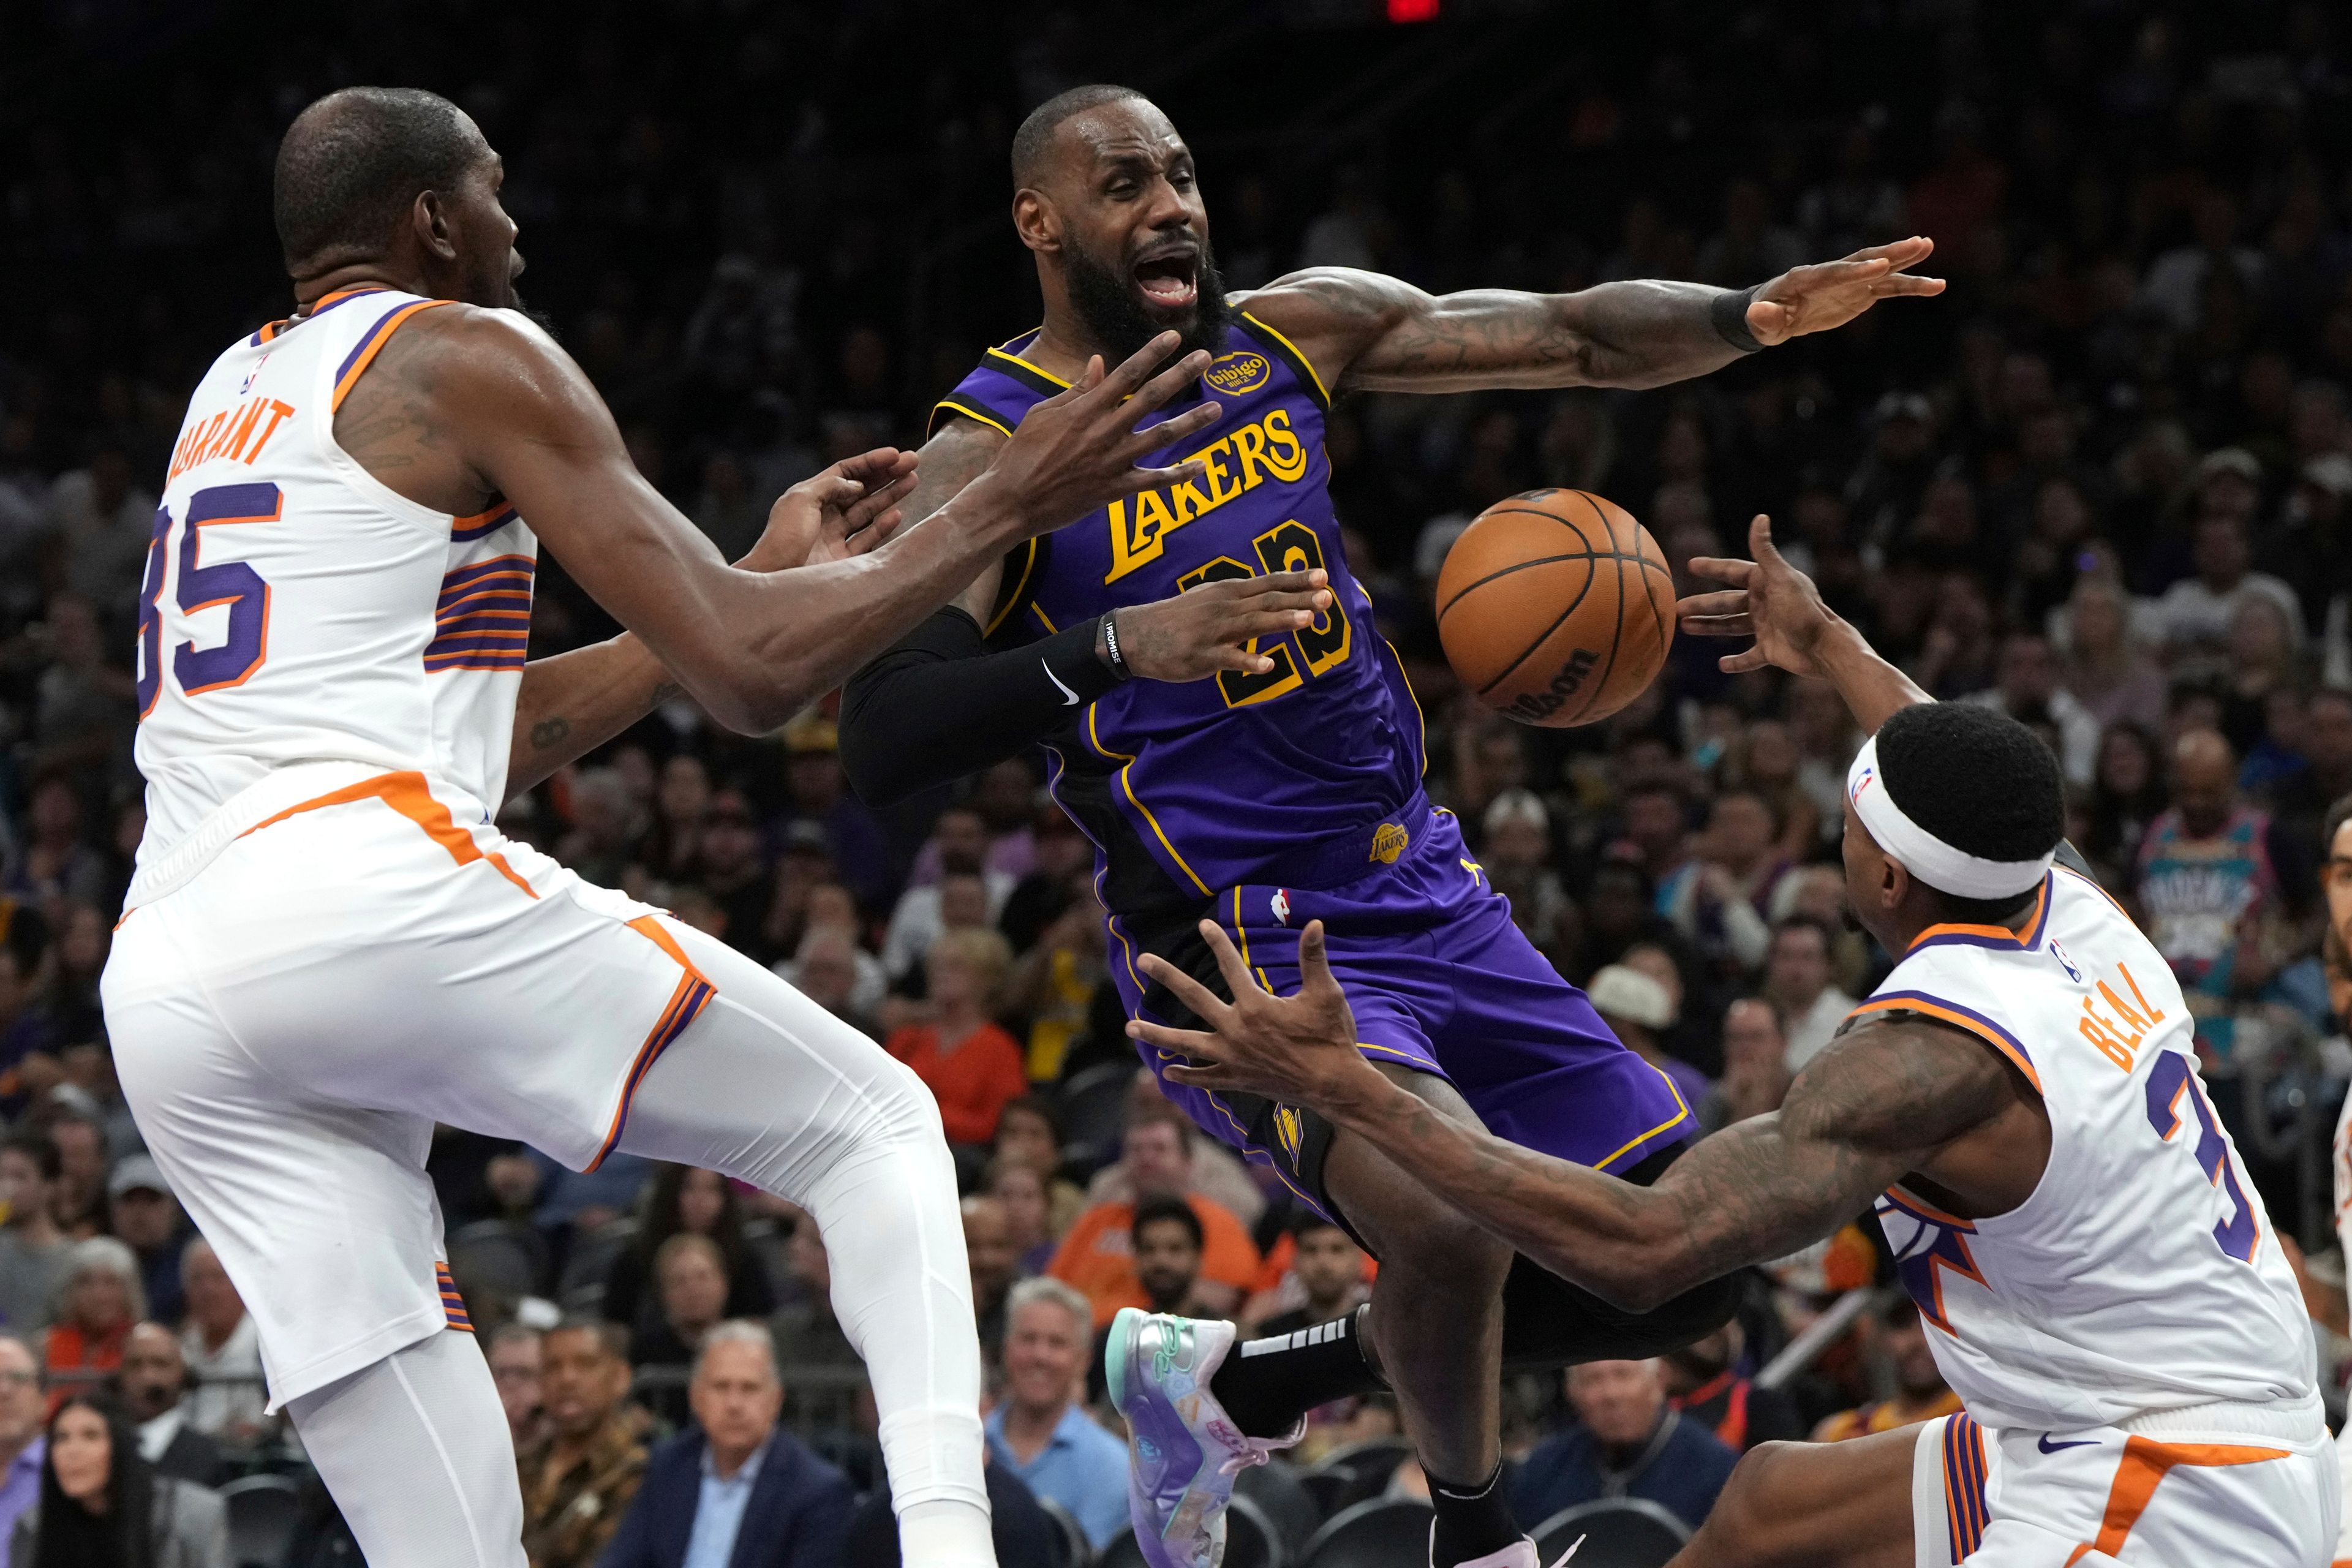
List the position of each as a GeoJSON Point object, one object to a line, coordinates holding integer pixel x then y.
{"type": "Point", "coordinates": [876, 771]}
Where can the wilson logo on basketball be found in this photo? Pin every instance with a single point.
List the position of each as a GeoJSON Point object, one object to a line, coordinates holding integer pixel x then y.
{"type": "Point", "coordinates": [1235, 373]}
{"type": "Point", "coordinates": [1541, 705]}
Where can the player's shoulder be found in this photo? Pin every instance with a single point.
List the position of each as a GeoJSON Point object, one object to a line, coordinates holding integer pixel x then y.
{"type": "Point", "coordinates": [1312, 296]}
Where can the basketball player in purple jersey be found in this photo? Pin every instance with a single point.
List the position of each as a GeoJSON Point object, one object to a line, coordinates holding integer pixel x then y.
{"type": "Point", "coordinates": [1278, 780]}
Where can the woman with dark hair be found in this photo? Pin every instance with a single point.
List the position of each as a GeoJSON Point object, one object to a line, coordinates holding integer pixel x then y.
{"type": "Point", "coordinates": [686, 1199]}
{"type": "Point", "coordinates": [2127, 794]}
{"type": "Point", "coordinates": [103, 1506]}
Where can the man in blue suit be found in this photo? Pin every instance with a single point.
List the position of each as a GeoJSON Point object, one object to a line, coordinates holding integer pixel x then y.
{"type": "Point", "coordinates": [732, 1490]}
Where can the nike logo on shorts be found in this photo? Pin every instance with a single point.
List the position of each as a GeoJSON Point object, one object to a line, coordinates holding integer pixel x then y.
{"type": "Point", "coordinates": [2047, 1446]}
{"type": "Point", "coordinates": [1069, 697]}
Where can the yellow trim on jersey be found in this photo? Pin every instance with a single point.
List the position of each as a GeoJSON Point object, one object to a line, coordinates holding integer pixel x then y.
{"type": "Point", "coordinates": [1025, 364]}
{"type": "Point", "coordinates": [1681, 1113]}
{"type": "Point", "coordinates": [1044, 620]}
{"type": "Point", "coordinates": [1028, 570]}
{"type": "Point", "coordinates": [969, 412]}
{"type": "Point", "coordinates": [1094, 738]}
{"type": "Point", "coordinates": [1308, 364]}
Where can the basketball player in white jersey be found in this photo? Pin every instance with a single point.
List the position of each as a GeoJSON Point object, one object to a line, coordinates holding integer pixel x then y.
{"type": "Point", "coordinates": [2335, 884]}
{"type": "Point", "coordinates": [2020, 1101]}
{"type": "Point", "coordinates": [328, 946]}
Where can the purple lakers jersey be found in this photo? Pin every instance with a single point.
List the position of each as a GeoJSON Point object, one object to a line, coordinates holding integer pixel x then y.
{"type": "Point", "coordinates": [1296, 777]}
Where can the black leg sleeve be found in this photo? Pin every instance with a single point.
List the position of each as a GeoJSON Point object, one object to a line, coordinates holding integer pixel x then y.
{"type": "Point", "coordinates": [937, 705]}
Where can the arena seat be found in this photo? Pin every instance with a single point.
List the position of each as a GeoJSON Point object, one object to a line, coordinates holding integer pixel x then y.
{"type": "Point", "coordinates": [1076, 1551]}
{"type": "Point", "coordinates": [1618, 1533]}
{"type": "Point", "coordinates": [1277, 1490]}
{"type": "Point", "coordinates": [1093, 1110]}
{"type": "Point", "coordinates": [1356, 1473]}
{"type": "Point", "coordinates": [1251, 1541]}
{"type": "Point", "coordinates": [262, 1513]}
{"type": "Point", "coordinates": [1384, 1532]}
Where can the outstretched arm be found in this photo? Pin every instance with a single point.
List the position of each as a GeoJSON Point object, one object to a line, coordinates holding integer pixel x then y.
{"type": "Point", "coordinates": [574, 702]}
{"type": "Point", "coordinates": [1381, 333]}
{"type": "Point", "coordinates": [1778, 606]}
{"type": "Point", "coordinates": [1884, 1099]}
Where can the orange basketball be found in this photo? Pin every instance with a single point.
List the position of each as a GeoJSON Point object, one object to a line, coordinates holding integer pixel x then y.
{"type": "Point", "coordinates": [1556, 608]}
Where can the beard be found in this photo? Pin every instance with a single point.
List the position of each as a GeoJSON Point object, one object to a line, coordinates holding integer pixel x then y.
{"type": "Point", "coordinates": [1112, 307]}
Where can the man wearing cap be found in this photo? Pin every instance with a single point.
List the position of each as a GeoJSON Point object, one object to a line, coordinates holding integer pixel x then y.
{"type": "Point", "coordinates": [143, 1213]}
{"type": "Point", "coordinates": [1637, 1009]}
{"type": "Point", "coordinates": [2021, 1102]}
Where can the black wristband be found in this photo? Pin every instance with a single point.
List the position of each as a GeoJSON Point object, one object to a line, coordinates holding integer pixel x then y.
{"type": "Point", "coordinates": [1728, 310]}
{"type": "Point", "coordinates": [1112, 659]}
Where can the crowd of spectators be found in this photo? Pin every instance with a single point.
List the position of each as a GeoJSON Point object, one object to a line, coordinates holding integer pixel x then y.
{"type": "Point", "coordinates": [2104, 484]}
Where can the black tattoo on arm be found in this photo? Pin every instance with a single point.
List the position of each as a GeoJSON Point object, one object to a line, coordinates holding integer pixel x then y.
{"type": "Point", "coordinates": [1383, 334]}
{"type": "Point", "coordinates": [550, 732]}
{"type": "Point", "coordinates": [1881, 1100]}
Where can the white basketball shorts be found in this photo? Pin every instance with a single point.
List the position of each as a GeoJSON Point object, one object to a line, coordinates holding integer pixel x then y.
{"type": "Point", "coordinates": [291, 1021]}
{"type": "Point", "coordinates": [2187, 1486]}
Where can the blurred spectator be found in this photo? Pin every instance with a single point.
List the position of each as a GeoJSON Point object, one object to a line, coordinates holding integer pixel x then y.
{"type": "Point", "coordinates": [685, 1200]}
{"type": "Point", "coordinates": [57, 865]}
{"type": "Point", "coordinates": [1704, 1381]}
{"type": "Point", "coordinates": [29, 1041]}
{"type": "Point", "coordinates": [1025, 1536]}
{"type": "Point", "coordinates": [99, 1299]}
{"type": "Point", "coordinates": [807, 1333]}
{"type": "Point", "coordinates": [1629, 1442]}
{"type": "Point", "coordinates": [1168, 1256]}
{"type": "Point", "coordinates": [1055, 983]}
{"type": "Point", "coordinates": [988, 1245]}
{"type": "Point", "coordinates": [2107, 669]}
{"type": "Point", "coordinates": [2029, 691]}
{"type": "Point", "coordinates": [2194, 614]}
{"type": "Point", "coordinates": [2206, 888]}
{"type": "Point", "coordinates": [579, 1482]}
{"type": "Point", "coordinates": [820, 796]}
{"type": "Point", "coordinates": [96, 1491]}
{"type": "Point", "coordinates": [1026, 1134]}
{"type": "Point", "coordinates": [1921, 1394]}
{"type": "Point", "coordinates": [1204, 1167]}
{"type": "Point", "coordinates": [223, 1349]}
{"type": "Point", "coordinates": [1329, 1274]}
{"type": "Point", "coordinates": [1755, 1073]}
{"type": "Point", "coordinates": [690, 1290]}
{"type": "Point", "coordinates": [23, 1405]}
{"type": "Point", "coordinates": [154, 1383]}
{"type": "Point", "coordinates": [31, 1250]}
{"type": "Point", "coordinates": [515, 1354]}
{"type": "Point", "coordinates": [829, 969]}
{"type": "Point", "coordinates": [1636, 1009]}
{"type": "Point", "coordinates": [1516, 852]}
{"type": "Point", "coordinates": [732, 873]}
{"type": "Point", "coordinates": [145, 1218]}
{"type": "Point", "coordinates": [1718, 900]}
{"type": "Point", "coordinates": [78, 1198]}
{"type": "Point", "coordinates": [84, 707]}
{"type": "Point", "coordinates": [1040, 1429]}
{"type": "Point", "coordinates": [733, 1490]}
{"type": "Point", "coordinates": [973, 1067]}
{"type": "Point", "coordinates": [2128, 794]}
{"type": "Point", "coordinates": [1798, 984]}
{"type": "Point", "coordinates": [1020, 1195]}
{"type": "Point", "coordinates": [961, 838]}
{"type": "Point", "coordinates": [1097, 1255]}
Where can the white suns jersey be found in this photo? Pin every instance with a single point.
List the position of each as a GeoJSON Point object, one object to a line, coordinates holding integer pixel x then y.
{"type": "Point", "coordinates": [2143, 1274]}
{"type": "Point", "coordinates": [295, 610]}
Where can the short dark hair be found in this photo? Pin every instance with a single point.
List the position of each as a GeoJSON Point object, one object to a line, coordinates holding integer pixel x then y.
{"type": "Point", "coordinates": [36, 1147]}
{"type": "Point", "coordinates": [1979, 781]}
{"type": "Point", "coordinates": [611, 1337]}
{"type": "Point", "coordinates": [353, 163]}
{"type": "Point", "coordinates": [24, 936]}
{"type": "Point", "coordinates": [1035, 1105]}
{"type": "Point", "coordinates": [2337, 816]}
{"type": "Point", "coordinates": [1035, 139]}
{"type": "Point", "coordinates": [1802, 922]}
{"type": "Point", "coordinates": [1168, 1211]}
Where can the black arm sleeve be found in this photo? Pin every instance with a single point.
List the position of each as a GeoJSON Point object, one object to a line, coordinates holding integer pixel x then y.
{"type": "Point", "coordinates": [937, 705]}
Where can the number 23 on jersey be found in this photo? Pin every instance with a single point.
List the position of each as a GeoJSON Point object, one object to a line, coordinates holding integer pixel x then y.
{"type": "Point", "coordinates": [1321, 646]}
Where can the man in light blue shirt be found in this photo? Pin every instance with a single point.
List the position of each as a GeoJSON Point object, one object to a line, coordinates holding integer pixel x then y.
{"type": "Point", "coordinates": [733, 1491]}
{"type": "Point", "coordinates": [21, 1403]}
{"type": "Point", "coordinates": [1040, 1431]}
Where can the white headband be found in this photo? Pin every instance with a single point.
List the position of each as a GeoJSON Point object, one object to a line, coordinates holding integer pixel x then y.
{"type": "Point", "coordinates": [1924, 855]}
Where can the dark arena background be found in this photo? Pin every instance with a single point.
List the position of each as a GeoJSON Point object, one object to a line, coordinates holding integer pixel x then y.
{"type": "Point", "coordinates": [2104, 482]}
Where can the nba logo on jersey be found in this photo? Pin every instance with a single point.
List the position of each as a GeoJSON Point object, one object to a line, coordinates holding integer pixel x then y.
{"type": "Point", "coordinates": [2065, 962]}
{"type": "Point", "coordinates": [1281, 905]}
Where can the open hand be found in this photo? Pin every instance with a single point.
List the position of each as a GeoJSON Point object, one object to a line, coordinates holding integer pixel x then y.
{"type": "Point", "coordinates": [1078, 449]}
{"type": "Point", "coordinates": [1210, 627]}
{"type": "Point", "coordinates": [1298, 1049]}
{"type": "Point", "coordinates": [1773, 602]}
{"type": "Point", "coordinates": [846, 511]}
{"type": "Point", "coordinates": [1831, 294]}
